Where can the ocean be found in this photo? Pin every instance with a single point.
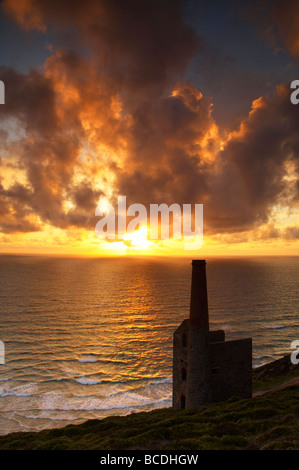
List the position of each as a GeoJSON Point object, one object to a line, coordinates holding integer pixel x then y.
{"type": "Point", "coordinates": [90, 338]}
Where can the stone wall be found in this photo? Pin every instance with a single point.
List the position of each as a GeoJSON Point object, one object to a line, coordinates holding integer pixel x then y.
{"type": "Point", "coordinates": [231, 369]}
{"type": "Point", "coordinates": [209, 370]}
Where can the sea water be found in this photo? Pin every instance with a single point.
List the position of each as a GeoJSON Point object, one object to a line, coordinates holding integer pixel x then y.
{"type": "Point", "coordinates": [90, 338]}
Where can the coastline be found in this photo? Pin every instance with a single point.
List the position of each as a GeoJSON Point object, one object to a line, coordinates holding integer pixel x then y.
{"type": "Point", "coordinates": [268, 420]}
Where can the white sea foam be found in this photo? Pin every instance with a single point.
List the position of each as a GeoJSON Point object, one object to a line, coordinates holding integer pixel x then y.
{"type": "Point", "coordinates": [142, 403]}
{"type": "Point", "coordinates": [88, 359]}
{"type": "Point", "coordinates": [162, 380]}
{"type": "Point", "coordinates": [88, 381]}
{"type": "Point", "coordinates": [13, 393]}
{"type": "Point", "coordinates": [128, 401]}
{"type": "Point", "coordinates": [51, 418]}
{"type": "Point", "coordinates": [275, 327]}
{"type": "Point", "coordinates": [27, 390]}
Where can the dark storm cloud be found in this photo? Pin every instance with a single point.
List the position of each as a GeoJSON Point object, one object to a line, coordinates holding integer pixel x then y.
{"type": "Point", "coordinates": [168, 162]}
{"type": "Point", "coordinates": [30, 98]}
{"type": "Point", "coordinates": [291, 233]}
{"type": "Point", "coordinates": [47, 151]}
{"type": "Point", "coordinates": [85, 197]}
{"type": "Point", "coordinates": [254, 164]}
{"type": "Point", "coordinates": [15, 209]}
{"type": "Point", "coordinates": [278, 23]}
{"type": "Point", "coordinates": [140, 44]}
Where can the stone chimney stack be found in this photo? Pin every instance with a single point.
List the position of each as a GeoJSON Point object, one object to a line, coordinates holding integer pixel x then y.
{"type": "Point", "coordinates": [199, 367]}
{"type": "Point", "coordinates": [199, 312]}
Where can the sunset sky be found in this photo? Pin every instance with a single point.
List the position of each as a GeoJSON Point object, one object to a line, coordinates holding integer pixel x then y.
{"type": "Point", "coordinates": [161, 101]}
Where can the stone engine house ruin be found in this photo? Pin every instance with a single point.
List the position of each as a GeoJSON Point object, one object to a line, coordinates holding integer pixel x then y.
{"type": "Point", "coordinates": [206, 368]}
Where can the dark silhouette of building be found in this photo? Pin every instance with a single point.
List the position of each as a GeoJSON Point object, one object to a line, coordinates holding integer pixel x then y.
{"type": "Point", "coordinates": [206, 368]}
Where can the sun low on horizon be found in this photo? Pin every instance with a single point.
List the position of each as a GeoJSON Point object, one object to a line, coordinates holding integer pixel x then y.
{"type": "Point", "coordinates": [157, 103]}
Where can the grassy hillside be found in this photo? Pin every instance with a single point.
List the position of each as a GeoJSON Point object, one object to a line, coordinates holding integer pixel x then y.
{"type": "Point", "coordinates": [269, 421]}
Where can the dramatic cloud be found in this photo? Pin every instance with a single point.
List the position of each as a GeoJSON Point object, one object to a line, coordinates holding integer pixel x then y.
{"type": "Point", "coordinates": [84, 115]}
{"type": "Point", "coordinates": [48, 148]}
{"type": "Point", "coordinates": [110, 114]}
{"type": "Point", "coordinates": [254, 166]}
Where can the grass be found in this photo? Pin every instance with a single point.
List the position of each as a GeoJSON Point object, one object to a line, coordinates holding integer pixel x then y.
{"type": "Point", "coordinates": [268, 383]}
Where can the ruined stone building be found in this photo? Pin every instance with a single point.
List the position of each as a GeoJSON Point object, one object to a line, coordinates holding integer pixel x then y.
{"type": "Point", "coordinates": [206, 368]}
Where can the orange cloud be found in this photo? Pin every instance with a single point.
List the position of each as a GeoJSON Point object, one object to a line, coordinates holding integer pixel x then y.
{"type": "Point", "coordinates": [117, 119]}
